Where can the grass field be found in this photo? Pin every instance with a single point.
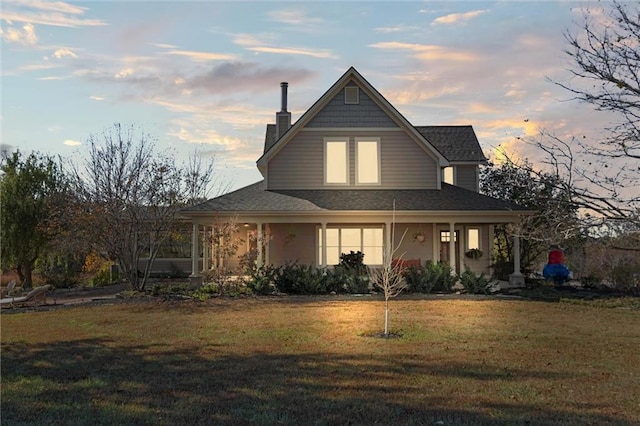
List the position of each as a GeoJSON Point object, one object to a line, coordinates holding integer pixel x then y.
{"type": "Point", "coordinates": [309, 360]}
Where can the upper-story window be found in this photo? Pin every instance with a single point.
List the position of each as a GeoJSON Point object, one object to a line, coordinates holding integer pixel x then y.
{"type": "Point", "coordinates": [336, 161]}
{"type": "Point", "coordinates": [448, 175]}
{"type": "Point", "coordinates": [367, 161]}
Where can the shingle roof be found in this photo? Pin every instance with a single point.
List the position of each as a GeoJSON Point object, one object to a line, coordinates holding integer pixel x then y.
{"type": "Point", "coordinates": [455, 143]}
{"type": "Point", "coordinates": [254, 198]}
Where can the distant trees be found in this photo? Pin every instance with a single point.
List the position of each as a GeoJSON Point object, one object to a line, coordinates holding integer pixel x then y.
{"type": "Point", "coordinates": [555, 220]}
{"type": "Point", "coordinates": [129, 197]}
{"type": "Point", "coordinates": [32, 200]}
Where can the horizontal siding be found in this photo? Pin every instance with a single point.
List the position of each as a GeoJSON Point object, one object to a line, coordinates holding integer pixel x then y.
{"type": "Point", "coordinates": [404, 164]}
{"type": "Point", "coordinates": [364, 114]}
{"type": "Point", "coordinates": [467, 177]}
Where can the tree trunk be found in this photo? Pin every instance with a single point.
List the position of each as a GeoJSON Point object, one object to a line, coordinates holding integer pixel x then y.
{"type": "Point", "coordinates": [25, 273]}
{"type": "Point", "coordinates": [386, 317]}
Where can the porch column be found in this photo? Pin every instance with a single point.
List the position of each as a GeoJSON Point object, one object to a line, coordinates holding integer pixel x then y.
{"type": "Point", "coordinates": [435, 243]}
{"type": "Point", "coordinates": [259, 244]}
{"type": "Point", "coordinates": [490, 251]}
{"type": "Point", "coordinates": [452, 247]}
{"type": "Point", "coordinates": [267, 243]}
{"type": "Point", "coordinates": [195, 279]}
{"type": "Point", "coordinates": [205, 249]}
{"type": "Point", "coordinates": [324, 244]}
{"type": "Point", "coordinates": [516, 279]}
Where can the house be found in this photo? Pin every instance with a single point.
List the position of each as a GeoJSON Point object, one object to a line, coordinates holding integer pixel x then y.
{"type": "Point", "coordinates": [335, 177]}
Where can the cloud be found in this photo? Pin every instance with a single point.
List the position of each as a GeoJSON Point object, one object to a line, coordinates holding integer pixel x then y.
{"type": "Point", "coordinates": [428, 52]}
{"type": "Point", "coordinates": [458, 17]}
{"type": "Point", "coordinates": [53, 78]}
{"type": "Point", "coordinates": [242, 76]}
{"type": "Point", "coordinates": [54, 6]}
{"type": "Point", "coordinates": [165, 45]}
{"type": "Point", "coordinates": [295, 18]}
{"type": "Point", "coordinates": [294, 51]}
{"type": "Point", "coordinates": [202, 56]}
{"type": "Point", "coordinates": [26, 36]}
{"type": "Point", "coordinates": [57, 13]}
{"type": "Point", "coordinates": [96, 98]}
{"type": "Point", "coordinates": [71, 142]}
{"type": "Point", "coordinates": [61, 53]}
{"type": "Point", "coordinates": [256, 43]}
{"type": "Point", "coordinates": [38, 67]}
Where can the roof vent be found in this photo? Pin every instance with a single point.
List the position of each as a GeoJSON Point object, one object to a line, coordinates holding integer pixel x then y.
{"type": "Point", "coordinates": [351, 95]}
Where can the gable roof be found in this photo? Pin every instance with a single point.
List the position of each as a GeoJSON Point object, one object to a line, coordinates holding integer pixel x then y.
{"type": "Point", "coordinates": [351, 74]}
{"type": "Point", "coordinates": [456, 143]}
{"type": "Point", "coordinates": [256, 199]}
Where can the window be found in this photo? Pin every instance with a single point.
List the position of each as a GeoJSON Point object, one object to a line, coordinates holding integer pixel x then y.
{"type": "Point", "coordinates": [447, 175]}
{"type": "Point", "coordinates": [445, 236]}
{"type": "Point", "coordinates": [343, 240]}
{"type": "Point", "coordinates": [336, 161]}
{"type": "Point", "coordinates": [367, 161]}
{"type": "Point", "coordinates": [473, 238]}
{"type": "Point", "coordinates": [351, 95]}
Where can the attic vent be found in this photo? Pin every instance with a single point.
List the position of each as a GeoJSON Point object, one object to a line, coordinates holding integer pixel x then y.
{"type": "Point", "coordinates": [352, 95]}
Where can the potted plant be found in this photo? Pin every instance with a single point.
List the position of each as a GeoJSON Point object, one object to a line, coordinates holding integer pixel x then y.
{"type": "Point", "coordinates": [474, 253]}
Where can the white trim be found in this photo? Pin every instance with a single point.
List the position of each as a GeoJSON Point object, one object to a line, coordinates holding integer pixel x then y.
{"type": "Point", "coordinates": [466, 232]}
{"type": "Point", "coordinates": [378, 158]}
{"type": "Point", "coordinates": [325, 159]}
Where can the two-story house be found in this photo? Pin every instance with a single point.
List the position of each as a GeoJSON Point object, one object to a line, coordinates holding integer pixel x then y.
{"type": "Point", "coordinates": [333, 179]}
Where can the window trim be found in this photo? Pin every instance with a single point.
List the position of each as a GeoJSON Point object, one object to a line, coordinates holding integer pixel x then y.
{"type": "Point", "coordinates": [327, 141]}
{"type": "Point", "coordinates": [361, 228]}
{"type": "Point", "coordinates": [378, 158]}
{"type": "Point", "coordinates": [469, 228]}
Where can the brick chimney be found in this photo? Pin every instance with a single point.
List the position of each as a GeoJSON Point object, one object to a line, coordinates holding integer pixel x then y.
{"type": "Point", "coordinates": [283, 117]}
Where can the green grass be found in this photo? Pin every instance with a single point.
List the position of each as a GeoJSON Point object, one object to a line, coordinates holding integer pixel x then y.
{"type": "Point", "coordinates": [308, 360]}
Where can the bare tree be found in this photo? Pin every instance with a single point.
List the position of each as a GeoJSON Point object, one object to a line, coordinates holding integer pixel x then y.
{"type": "Point", "coordinates": [131, 197]}
{"type": "Point", "coordinates": [390, 277]}
{"type": "Point", "coordinates": [604, 174]}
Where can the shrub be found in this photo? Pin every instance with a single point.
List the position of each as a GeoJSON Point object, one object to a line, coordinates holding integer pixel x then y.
{"type": "Point", "coordinates": [475, 284]}
{"type": "Point", "coordinates": [419, 279]}
{"type": "Point", "coordinates": [263, 280]}
{"type": "Point", "coordinates": [301, 279]}
{"type": "Point", "coordinates": [354, 260]}
{"type": "Point", "coordinates": [442, 276]}
{"type": "Point", "coordinates": [61, 271]}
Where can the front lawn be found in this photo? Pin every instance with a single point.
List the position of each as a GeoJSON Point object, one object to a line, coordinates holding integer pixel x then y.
{"type": "Point", "coordinates": [308, 360]}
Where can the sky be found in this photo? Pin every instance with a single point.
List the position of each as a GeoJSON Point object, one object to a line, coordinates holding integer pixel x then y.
{"type": "Point", "coordinates": [204, 76]}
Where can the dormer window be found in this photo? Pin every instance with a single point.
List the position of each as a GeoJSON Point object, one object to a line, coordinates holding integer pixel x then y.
{"type": "Point", "coordinates": [351, 95]}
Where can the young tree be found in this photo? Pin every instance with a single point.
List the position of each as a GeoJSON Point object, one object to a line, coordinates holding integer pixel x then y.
{"type": "Point", "coordinates": [31, 202]}
{"type": "Point", "coordinates": [390, 276]}
{"type": "Point", "coordinates": [132, 196]}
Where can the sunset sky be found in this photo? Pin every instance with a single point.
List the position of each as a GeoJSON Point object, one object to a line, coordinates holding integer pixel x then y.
{"type": "Point", "coordinates": [206, 74]}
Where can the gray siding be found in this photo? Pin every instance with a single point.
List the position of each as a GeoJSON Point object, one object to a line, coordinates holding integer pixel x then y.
{"type": "Point", "coordinates": [364, 114]}
{"type": "Point", "coordinates": [467, 177]}
{"type": "Point", "coordinates": [300, 163]}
